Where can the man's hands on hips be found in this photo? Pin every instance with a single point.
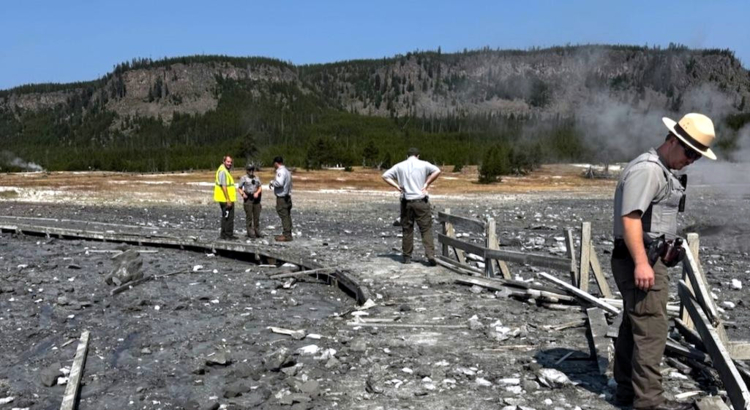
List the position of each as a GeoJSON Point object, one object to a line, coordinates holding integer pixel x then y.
{"type": "Point", "coordinates": [644, 276]}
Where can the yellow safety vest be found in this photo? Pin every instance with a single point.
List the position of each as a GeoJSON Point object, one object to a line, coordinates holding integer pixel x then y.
{"type": "Point", "coordinates": [218, 192]}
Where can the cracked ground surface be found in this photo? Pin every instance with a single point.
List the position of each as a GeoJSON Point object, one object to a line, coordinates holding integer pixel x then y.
{"type": "Point", "coordinates": [152, 346]}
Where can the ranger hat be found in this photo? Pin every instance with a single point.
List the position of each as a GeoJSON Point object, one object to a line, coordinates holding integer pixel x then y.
{"type": "Point", "coordinates": [696, 131]}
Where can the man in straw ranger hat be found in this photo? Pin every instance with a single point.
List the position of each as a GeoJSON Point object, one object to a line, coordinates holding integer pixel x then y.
{"type": "Point", "coordinates": [647, 199]}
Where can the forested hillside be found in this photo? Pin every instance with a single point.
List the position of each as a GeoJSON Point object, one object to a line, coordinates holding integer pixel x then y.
{"type": "Point", "coordinates": [584, 103]}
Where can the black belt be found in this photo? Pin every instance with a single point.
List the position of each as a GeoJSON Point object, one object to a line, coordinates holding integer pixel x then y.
{"type": "Point", "coordinates": [424, 199]}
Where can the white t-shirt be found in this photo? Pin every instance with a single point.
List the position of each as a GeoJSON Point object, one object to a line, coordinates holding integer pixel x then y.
{"type": "Point", "coordinates": [411, 175]}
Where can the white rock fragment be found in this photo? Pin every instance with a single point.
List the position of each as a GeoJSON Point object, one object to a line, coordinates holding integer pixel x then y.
{"type": "Point", "coordinates": [7, 400]}
{"type": "Point", "coordinates": [736, 284]}
{"type": "Point", "coordinates": [728, 305]}
{"type": "Point", "coordinates": [308, 350]}
{"type": "Point", "coordinates": [407, 370]}
{"type": "Point", "coordinates": [196, 268]}
{"type": "Point", "coordinates": [483, 382]}
{"type": "Point", "coordinates": [553, 378]}
{"type": "Point", "coordinates": [509, 381]}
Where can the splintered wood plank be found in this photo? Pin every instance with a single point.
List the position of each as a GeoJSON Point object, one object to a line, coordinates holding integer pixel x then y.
{"type": "Point", "coordinates": [601, 281]}
{"type": "Point", "coordinates": [694, 244]}
{"type": "Point", "coordinates": [583, 283]}
{"type": "Point", "coordinates": [504, 269]}
{"type": "Point", "coordinates": [601, 348]}
{"type": "Point", "coordinates": [491, 243]}
{"type": "Point", "coordinates": [451, 233]}
{"type": "Point", "coordinates": [76, 373]}
{"type": "Point", "coordinates": [722, 361]}
{"type": "Point", "coordinates": [570, 246]}
{"type": "Point", "coordinates": [580, 294]}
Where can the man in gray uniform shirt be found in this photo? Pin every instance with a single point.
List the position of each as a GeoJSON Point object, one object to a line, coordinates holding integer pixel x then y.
{"type": "Point", "coordinates": [647, 199]}
{"type": "Point", "coordinates": [282, 188]}
{"type": "Point", "coordinates": [412, 177]}
{"type": "Point", "coordinates": [250, 189]}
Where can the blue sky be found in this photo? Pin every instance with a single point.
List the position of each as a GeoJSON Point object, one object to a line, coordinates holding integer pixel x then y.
{"type": "Point", "coordinates": [77, 40]}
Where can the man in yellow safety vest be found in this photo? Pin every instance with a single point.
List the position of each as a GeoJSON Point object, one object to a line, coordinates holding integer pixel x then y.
{"type": "Point", "coordinates": [226, 195]}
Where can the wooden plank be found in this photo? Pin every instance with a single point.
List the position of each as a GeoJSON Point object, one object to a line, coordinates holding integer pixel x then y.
{"type": "Point", "coordinates": [461, 220]}
{"type": "Point", "coordinates": [690, 335]}
{"type": "Point", "coordinates": [692, 268]}
{"type": "Point", "coordinates": [502, 286]}
{"type": "Point", "coordinates": [739, 350]}
{"type": "Point", "coordinates": [694, 244]}
{"type": "Point", "coordinates": [465, 246]}
{"type": "Point", "coordinates": [601, 346]}
{"type": "Point", "coordinates": [70, 398]}
{"type": "Point", "coordinates": [722, 361]}
{"type": "Point", "coordinates": [701, 291]}
{"type": "Point", "coordinates": [504, 269]}
{"type": "Point", "coordinates": [601, 281]}
{"type": "Point", "coordinates": [491, 243]}
{"type": "Point", "coordinates": [676, 349]}
{"type": "Point", "coordinates": [300, 273]}
{"type": "Point", "coordinates": [446, 226]}
{"type": "Point", "coordinates": [711, 403]}
{"type": "Point", "coordinates": [543, 261]}
{"type": "Point", "coordinates": [457, 267]}
{"type": "Point", "coordinates": [571, 249]}
{"type": "Point", "coordinates": [580, 294]}
{"type": "Point", "coordinates": [451, 232]}
{"type": "Point", "coordinates": [583, 283]}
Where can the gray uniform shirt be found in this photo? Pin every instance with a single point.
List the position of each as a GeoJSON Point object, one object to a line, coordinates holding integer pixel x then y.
{"type": "Point", "coordinates": [249, 185]}
{"type": "Point", "coordinates": [641, 182]}
{"type": "Point", "coordinates": [282, 184]}
{"type": "Point", "coordinates": [411, 175]}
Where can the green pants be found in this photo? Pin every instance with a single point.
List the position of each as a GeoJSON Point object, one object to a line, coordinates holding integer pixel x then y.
{"type": "Point", "coordinates": [643, 334]}
{"type": "Point", "coordinates": [227, 220]}
{"type": "Point", "coordinates": [418, 211]}
{"type": "Point", "coordinates": [252, 218]}
{"type": "Point", "coordinates": [284, 209]}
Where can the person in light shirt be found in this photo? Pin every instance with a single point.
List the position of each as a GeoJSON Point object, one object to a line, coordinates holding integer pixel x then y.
{"type": "Point", "coordinates": [412, 177]}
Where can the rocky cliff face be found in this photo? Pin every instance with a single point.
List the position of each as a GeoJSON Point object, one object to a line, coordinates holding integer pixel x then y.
{"type": "Point", "coordinates": [559, 81]}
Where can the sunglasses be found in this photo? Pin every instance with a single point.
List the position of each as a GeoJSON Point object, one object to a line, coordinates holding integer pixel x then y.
{"type": "Point", "coordinates": [690, 153]}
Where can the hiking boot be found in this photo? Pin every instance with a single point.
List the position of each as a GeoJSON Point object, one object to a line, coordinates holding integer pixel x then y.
{"type": "Point", "coordinates": [431, 262]}
{"type": "Point", "coordinates": [282, 238]}
{"type": "Point", "coordinates": [407, 260]}
{"type": "Point", "coordinates": [623, 400]}
{"type": "Point", "coordinates": [257, 234]}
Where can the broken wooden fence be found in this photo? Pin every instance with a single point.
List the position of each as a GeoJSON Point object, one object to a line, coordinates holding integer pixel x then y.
{"type": "Point", "coordinates": [493, 258]}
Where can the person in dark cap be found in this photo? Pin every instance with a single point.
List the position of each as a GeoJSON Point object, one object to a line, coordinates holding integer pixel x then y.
{"type": "Point", "coordinates": [411, 178]}
{"type": "Point", "coordinates": [251, 191]}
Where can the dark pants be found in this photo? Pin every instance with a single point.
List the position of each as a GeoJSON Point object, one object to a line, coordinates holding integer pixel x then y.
{"type": "Point", "coordinates": [252, 218]}
{"type": "Point", "coordinates": [284, 209]}
{"type": "Point", "coordinates": [227, 220]}
{"type": "Point", "coordinates": [418, 211]}
{"type": "Point", "coordinates": [643, 334]}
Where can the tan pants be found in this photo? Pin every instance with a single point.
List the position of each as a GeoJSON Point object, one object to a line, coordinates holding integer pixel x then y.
{"type": "Point", "coordinates": [418, 211]}
{"type": "Point", "coordinates": [284, 209]}
{"type": "Point", "coordinates": [252, 218]}
{"type": "Point", "coordinates": [642, 336]}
